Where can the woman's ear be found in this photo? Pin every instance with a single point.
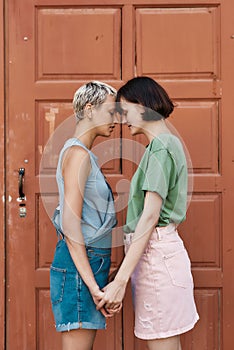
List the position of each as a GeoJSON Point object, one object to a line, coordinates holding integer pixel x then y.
{"type": "Point", "coordinates": [88, 111]}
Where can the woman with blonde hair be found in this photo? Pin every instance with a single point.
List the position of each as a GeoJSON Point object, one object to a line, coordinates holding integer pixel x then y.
{"type": "Point", "coordinates": [84, 222]}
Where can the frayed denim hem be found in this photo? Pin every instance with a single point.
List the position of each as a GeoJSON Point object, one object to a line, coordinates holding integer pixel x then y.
{"type": "Point", "coordinates": [78, 325]}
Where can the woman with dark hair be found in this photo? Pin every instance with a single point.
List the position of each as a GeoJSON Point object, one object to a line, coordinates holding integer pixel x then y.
{"type": "Point", "coordinates": [156, 259]}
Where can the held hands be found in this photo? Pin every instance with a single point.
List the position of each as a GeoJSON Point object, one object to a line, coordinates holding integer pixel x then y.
{"type": "Point", "coordinates": [113, 293]}
{"type": "Point", "coordinates": [97, 295]}
{"type": "Point", "coordinates": [112, 297]}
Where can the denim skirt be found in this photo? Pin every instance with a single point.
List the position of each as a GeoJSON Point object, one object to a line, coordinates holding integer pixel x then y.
{"type": "Point", "coordinates": [72, 304]}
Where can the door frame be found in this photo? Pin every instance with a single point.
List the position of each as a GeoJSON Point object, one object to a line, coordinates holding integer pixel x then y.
{"type": "Point", "coordinates": [228, 170]}
{"type": "Point", "coordinates": [2, 180]}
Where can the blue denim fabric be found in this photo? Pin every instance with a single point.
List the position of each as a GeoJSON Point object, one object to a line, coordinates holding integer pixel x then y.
{"type": "Point", "coordinates": [98, 211]}
{"type": "Point", "coordinates": [72, 303]}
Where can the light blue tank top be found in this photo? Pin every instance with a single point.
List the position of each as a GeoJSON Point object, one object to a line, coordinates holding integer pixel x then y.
{"type": "Point", "coordinates": [98, 213]}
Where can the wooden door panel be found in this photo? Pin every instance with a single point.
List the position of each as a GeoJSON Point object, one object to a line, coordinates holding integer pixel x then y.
{"type": "Point", "coordinates": [206, 335]}
{"type": "Point", "coordinates": [66, 37]}
{"type": "Point", "coordinates": [49, 117]}
{"type": "Point", "coordinates": [46, 336]}
{"type": "Point", "coordinates": [198, 124]}
{"type": "Point", "coordinates": [203, 220]}
{"type": "Point", "coordinates": [46, 238]}
{"type": "Point", "coordinates": [185, 41]}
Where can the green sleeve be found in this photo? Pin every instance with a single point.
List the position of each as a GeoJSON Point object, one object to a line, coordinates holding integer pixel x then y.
{"type": "Point", "coordinates": [159, 173]}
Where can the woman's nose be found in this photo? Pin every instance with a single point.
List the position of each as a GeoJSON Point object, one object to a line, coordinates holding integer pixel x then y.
{"type": "Point", "coordinates": [124, 119]}
{"type": "Point", "coordinates": [117, 118]}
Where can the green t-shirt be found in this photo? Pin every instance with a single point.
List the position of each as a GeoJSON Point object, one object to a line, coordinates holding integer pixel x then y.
{"type": "Point", "coordinates": [162, 169]}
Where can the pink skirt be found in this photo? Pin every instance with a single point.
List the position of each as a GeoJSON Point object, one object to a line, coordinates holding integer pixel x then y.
{"type": "Point", "coordinates": [162, 286]}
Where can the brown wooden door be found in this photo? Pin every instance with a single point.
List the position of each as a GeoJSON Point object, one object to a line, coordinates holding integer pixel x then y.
{"type": "Point", "coordinates": [55, 46]}
{"type": "Point", "coordinates": [2, 184]}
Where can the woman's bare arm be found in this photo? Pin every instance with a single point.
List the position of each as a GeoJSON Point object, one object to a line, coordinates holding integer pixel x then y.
{"type": "Point", "coordinates": [114, 291]}
{"type": "Point", "coordinates": [76, 169]}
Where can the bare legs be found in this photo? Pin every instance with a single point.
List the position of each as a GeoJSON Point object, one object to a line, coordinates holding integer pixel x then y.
{"type": "Point", "coordinates": [172, 343]}
{"type": "Point", "coordinates": [78, 339]}
{"type": "Point", "coordinates": [83, 339]}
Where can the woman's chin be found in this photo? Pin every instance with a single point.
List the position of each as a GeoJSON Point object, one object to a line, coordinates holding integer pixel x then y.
{"type": "Point", "coordinates": [106, 134]}
{"type": "Point", "coordinates": [134, 131]}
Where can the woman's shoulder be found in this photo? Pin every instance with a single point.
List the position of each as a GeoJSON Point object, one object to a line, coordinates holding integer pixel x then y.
{"type": "Point", "coordinates": [169, 145]}
{"type": "Point", "coordinates": [74, 142]}
{"type": "Point", "coordinates": [74, 156]}
{"type": "Point", "coordinates": [75, 146]}
{"type": "Point", "coordinates": [166, 142]}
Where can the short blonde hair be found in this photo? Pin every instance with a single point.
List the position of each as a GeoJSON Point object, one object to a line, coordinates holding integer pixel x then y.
{"type": "Point", "coordinates": [94, 92]}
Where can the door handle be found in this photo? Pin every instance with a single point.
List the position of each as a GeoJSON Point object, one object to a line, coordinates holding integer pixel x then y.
{"type": "Point", "coordinates": [22, 196]}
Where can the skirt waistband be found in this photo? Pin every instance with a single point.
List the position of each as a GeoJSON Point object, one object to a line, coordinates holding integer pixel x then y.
{"type": "Point", "coordinates": [163, 231]}
{"type": "Point", "coordinates": [160, 233]}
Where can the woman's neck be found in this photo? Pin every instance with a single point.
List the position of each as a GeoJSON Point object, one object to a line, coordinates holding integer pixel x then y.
{"type": "Point", "coordinates": [85, 134]}
{"type": "Point", "coordinates": [153, 128]}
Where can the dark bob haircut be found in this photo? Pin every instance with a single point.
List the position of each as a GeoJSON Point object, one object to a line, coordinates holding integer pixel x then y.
{"type": "Point", "coordinates": [148, 93]}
